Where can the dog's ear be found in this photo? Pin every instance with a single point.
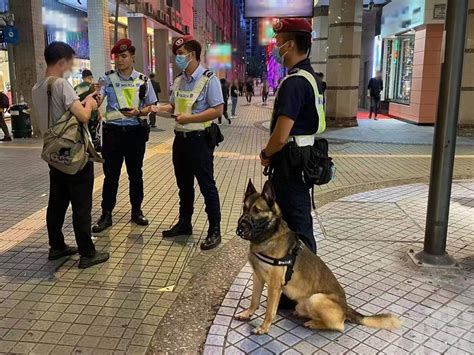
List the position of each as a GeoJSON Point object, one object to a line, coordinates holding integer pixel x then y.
{"type": "Point", "coordinates": [268, 193]}
{"type": "Point", "coordinates": [250, 190]}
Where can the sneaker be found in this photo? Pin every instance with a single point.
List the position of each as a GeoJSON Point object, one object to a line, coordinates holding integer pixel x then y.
{"type": "Point", "coordinates": [58, 254]}
{"type": "Point", "coordinates": [88, 261]}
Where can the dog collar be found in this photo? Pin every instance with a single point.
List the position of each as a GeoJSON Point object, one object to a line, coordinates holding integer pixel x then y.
{"type": "Point", "coordinates": [288, 261]}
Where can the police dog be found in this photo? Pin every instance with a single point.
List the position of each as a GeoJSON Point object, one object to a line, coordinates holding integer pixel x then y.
{"type": "Point", "coordinates": [319, 296]}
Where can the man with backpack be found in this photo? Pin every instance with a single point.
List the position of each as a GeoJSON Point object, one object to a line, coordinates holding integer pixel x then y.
{"type": "Point", "coordinates": [53, 96]}
{"type": "Point", "coordinates": [4, 104]}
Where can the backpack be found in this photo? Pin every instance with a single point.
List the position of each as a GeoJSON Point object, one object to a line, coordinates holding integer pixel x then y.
{"type": "Point", "coordinates": [66, 144]}
{"type": "Point", "coordinates": [4, 101]}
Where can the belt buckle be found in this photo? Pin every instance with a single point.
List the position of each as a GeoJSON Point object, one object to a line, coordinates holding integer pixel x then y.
{"type": "Point", "coordinates": [185, 134]}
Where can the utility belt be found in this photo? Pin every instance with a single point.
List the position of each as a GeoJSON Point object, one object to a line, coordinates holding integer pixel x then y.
{"type": "Point", "coordinates": [142, 127]}
{"type": "Point", "coordinates": [212, 134]}
{"type": "Point", "coordinates": [300, 158]}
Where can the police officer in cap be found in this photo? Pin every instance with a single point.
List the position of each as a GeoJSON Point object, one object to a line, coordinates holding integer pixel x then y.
{"type": "Point", "coordinates": [298, 115]}
{"type": "Point", "coordinates": [130, 96]}
{"type": "Point", "coordinates": [196, 101]}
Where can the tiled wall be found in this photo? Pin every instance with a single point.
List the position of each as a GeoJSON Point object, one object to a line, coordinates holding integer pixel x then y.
{"type": "Point", "coordinates": [425, 80]}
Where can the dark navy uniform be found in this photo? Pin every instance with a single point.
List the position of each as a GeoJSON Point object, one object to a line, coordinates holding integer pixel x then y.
{"type": "Point", "coordinates": [296, 100]}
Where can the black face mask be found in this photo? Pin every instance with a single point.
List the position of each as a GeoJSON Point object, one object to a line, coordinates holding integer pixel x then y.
{"type": "Point", "coordinates": [250, 228]}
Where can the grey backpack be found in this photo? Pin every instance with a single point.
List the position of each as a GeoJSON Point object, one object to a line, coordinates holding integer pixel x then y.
{"type": "Point", "coordinates": [66, 144]}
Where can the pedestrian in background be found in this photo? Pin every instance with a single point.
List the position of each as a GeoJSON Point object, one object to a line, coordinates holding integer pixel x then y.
{"type": "Point", "coordinates": [323, 85]}
{"type": "Point", "coordinates": [234, 96]}
{"type": "Point", "coordinates": [241, 88]}
{"type": "Point", "coordinates": [374, 89]}
{"type": "Point", "coordinates": [83, 90]}
{"type": "Point", "coordinates": [4, 104]}
{"type": "Point", "coordinates": [265, 91]}
{"type": "Point", "coordinates": [63, 188]}
{"type": "Point", "coordinates": [157, 88]}
{"type": "Point", "coordinates": [249, 90]}
{"type": "Point", "coordinates": [225, 95]}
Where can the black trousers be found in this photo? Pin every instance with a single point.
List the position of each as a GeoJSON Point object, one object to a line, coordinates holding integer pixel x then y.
{"type": "Point", "coordinates": [374, 105]}
{"type": "Point", "coordinates": [77, 190]}
{"type": "Point", "coordinates": [294, 199]}
{"type": "Point", "coordinates": [119, 143]}
{"type": "Point", "coordinates": [192, 158]}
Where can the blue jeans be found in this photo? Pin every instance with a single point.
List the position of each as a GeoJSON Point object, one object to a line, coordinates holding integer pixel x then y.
{"type": "Point", "coordinates": [234, 104]}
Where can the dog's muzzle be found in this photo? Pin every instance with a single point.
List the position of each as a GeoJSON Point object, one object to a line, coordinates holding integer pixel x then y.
{"type": "Point", "coordinates": [250, 228]}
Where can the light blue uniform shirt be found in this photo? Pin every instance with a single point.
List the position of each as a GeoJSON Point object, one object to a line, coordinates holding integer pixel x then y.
{"type": "Point", "coordinates": [211, 95]}
{"type": "Point", "coordinates": [112, 102]}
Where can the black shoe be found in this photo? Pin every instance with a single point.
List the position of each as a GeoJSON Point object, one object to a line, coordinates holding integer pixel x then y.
{"type": "Point", "coordinates": [58, 254]}
{"type": "Point", "coordinates": [88, 261]}
{"type": "Point", "coordinates": [230, 122]}
{"type": "Point", "coordinates": [104, 222]}
{"type": "Point", "coordinates": [139, 218]}
{"type": "Point", "coordinates": [183, 227]}
{"type": "Point", "coordinates": [6, 139]}
{"type": "Point", "coordinates": [286, 303]}
{"type": "Point", "coordinates": [213, 239]}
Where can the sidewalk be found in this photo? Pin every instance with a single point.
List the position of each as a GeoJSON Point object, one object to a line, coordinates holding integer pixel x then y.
{"type": "Point", "coordinates": [118, 306]}
{"type": "Point", "coordinates": [365, 244]}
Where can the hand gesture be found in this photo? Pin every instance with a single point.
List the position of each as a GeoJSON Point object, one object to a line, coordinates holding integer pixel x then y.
{"type": "Point", "coordinates": [182, 118]}
{"type": "Point", "coordinates": [132, 113]}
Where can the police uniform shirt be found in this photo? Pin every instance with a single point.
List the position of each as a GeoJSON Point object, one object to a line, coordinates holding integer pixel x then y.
{"type": "Point", "coordinates": [296, 101]}
{"type": "Point", "coordinates": [210, 96]}
{"type": "Point", "coordinates": [113, 104]}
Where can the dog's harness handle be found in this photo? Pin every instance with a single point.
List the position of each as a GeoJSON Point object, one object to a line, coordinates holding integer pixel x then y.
{"type": "Point", "coordinates": [288, 261]}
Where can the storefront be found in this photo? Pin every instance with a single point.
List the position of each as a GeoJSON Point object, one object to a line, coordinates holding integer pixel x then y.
{"type": "Point", "coordinates": [412, 32]}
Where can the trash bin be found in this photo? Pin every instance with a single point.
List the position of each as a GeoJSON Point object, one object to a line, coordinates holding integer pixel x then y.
{"type": "Point", "coordinates": [21, 121]}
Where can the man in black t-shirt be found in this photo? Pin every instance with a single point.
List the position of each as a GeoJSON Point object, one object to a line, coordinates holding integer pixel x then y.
{"type": "Point", "coordinates": [374, 89]}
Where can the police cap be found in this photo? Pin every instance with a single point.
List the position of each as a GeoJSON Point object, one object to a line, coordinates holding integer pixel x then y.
{"type": "Point", "coordinates": [292, 25]}
{"type": "Point", "coordinates": [178, 42]}
{"type": "Point", "coordinates": [121, 46]}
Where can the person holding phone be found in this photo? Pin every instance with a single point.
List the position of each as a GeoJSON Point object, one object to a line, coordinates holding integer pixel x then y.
{"type": "Point", "coordinates": [130, 96]}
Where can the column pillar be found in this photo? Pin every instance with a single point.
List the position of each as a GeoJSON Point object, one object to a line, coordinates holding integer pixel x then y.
{"type": "Point", "coordinates": [28, 55]}
{"type": "Point", "coordinates": [99, 36]}
{"type": "Point", "coordinates": [343, 64]}
{"type": "Point", "coordinates": [466, 114]}
{"type": "Point", "coordinates": [319, 49]}
{"type": "Point", "coordinates": [162, 61]}
{"type": "Point", "coordinates": [137, 33]}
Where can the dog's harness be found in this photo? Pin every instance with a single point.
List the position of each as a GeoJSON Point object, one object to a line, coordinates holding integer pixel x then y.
{"type": "Point", "coordinates": [288, 261]}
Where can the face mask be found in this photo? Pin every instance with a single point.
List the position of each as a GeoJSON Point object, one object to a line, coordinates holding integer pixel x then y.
{"type": "Point", "coordinates": [276, 53]}
{"type": "Point", "coordinates": [181, 61]}
{"type": "Point", "coordinates": [67, 74]}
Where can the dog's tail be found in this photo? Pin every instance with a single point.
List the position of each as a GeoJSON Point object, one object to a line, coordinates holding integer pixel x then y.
{"type": "Point", "coordinates": [380, 321]}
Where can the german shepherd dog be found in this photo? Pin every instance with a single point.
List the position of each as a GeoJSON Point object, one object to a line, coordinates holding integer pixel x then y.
{"type": "Point", "coordinates": [319, 296]}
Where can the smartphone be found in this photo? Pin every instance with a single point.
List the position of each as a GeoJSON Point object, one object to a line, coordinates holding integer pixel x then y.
{"type": "Point", "coordinates": [126, 109]}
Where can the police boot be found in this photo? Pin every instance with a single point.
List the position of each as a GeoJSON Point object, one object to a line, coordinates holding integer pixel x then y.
{"type": "Point", "coordinates": [139, 218]}
{"type": "Point", "coordinates": [213, 238]}
{"type": "Point", "coordinates": [183, 227]}
{"type": "Point", "coordinates": [104, 222]}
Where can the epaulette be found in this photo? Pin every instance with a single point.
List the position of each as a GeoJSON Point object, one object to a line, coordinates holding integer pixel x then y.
{"type": "Point", "coordinates": [293, 71]}
{"type": "Point", "coordinates": [208, 73]}
{"type": "Point", "coordinates": [143, 77]}
{"type": "Point", "coordinates": [109, 72]}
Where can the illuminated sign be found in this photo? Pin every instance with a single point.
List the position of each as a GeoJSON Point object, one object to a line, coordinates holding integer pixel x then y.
{"type": "Point", "coordinates": [265, 31]}
{"type": "Point", "coordinates": [279, 8]}
{"type": "Point", "coordinates": [401, 16]}
{"type": "Point", "coordinates": [219, 56]}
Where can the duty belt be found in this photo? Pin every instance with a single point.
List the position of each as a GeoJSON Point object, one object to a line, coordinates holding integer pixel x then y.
{"type": "Point", "coordinates": [302, 141]}
{"type": "Point", "coordinates": [190, 134]}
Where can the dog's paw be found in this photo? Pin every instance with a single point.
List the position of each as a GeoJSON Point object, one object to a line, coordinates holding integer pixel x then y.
{"type": "Point", "coordinates": [260, 330]}
{"type": "Point", "coordinates": [243, 316]}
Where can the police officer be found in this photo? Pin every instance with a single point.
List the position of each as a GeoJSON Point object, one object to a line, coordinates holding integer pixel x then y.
{"type": "Point", "coordinates": [196, 101]}
{"type": "Point", "coordinates": [298, 115]}
{"type": "Point", "coordinates": [130, 96]}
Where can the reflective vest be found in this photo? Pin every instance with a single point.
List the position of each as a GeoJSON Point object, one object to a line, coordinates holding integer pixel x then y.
{"type": "Point", "coordinates": [127, 93]}
{"type": "Point", "coordinates": [184, 101]}
{"type": "Point", "coordinates": [319, 103]}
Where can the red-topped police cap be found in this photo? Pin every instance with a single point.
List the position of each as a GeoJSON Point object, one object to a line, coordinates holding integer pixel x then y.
{"type": "Point", "coordinates": [178, 42]}
{"type": "Point", "coordinates": [121, 46]}
{"type": "Point", "coordinates": [292, 25]}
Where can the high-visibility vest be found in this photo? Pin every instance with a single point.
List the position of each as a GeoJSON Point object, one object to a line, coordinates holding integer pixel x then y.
{"type": "Point", "coordinates": [184, 101]}
{"type": "Point", "coordinates": [127, 93]}
{"type": "Point", "coordinates": [319, 99]}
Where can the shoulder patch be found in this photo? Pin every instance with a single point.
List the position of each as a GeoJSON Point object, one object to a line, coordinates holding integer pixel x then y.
{"type": "Point", "coordinates": [208, 73]}
{"type": "Point", "coordinates": [143, 77]}
{"type": "Point", "coordinates": [109, 72]}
